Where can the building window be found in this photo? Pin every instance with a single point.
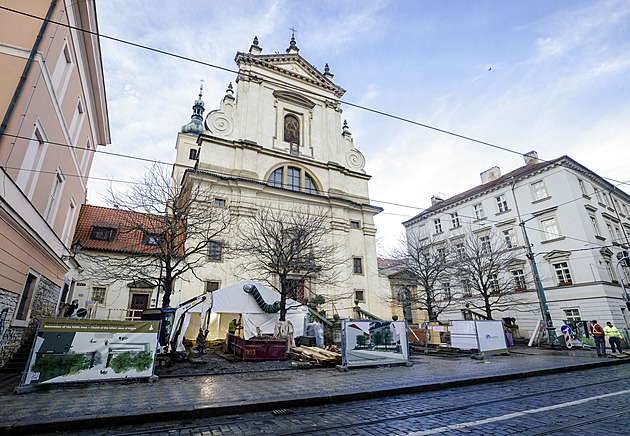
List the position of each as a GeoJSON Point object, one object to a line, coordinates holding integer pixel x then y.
{"type": "Point", "coordinates": [595, 226]}
{"type": "Point", "coordinates": [606, 199]}
{"type": "Point", "coordinates": [153, 239]}
{"type": "Point", "coordinates": [466, 288]}
{"type": "Point", "coordinates": [293, 179]}
{"type": "Point", "coordinates": [519, 280]}
{"type": "Point", "coordinates": [357, 265]}
{"type": "Point", "coordinates": [562, 273]}
{"type": "Point", "coordinates": [54, 193]}
{"type": "Point", "coordinates": [102, 234]}
{"type": "Point", "coordinates": [441, 254]}
{"type": "Point", "coordinates": [358, 295]}
{"type": "Point", "coordinates": [572, 315]}
{"type": "Point", "coordinates": [355, 224]}
{"type": "Point", "coordinates": [212, 285]}
{"type": "Point", "coordinates": [296, 180]}
{"type": "Point", "coordinates": [540, 192]}
{"type": "Point", "coordinates": [98, 294]}
{"type": "Point", "coordinates": [610, 230]}
{"type": "Point", "coordinates": [214, 250]}
{"type": "Point", "coordinates": [550, 229]}
{"type": "Point", "coordinates": [437, 225]}
{"type": "Point", "coordinates": [193, 154]}
{"type": "Point", "coordinates": [291, 129]}
{"type": "Point", "coordinates": [219, 202]}
{"type": "Point", "coordinates": [625, 209]}
{"type": "Point", "coordinates": [611, 273]}
{"type": "Point", "coordinates": [479, 214]}
{"type": "Point", "coordinates": [275, 179]}
{"type": "Point", "coordinates": [446, 290]}
{"type": "Point", "coordinates": [454, 220]}
{"type": "Point", "coordinates": [309, 186]}
{"type": "Point", "coordinates": [486, 247]}
{"type": "Point", "coordinates": [502, 205]}
{"type": "Point", "coordinates": [508, 236]}
{"type": "Point", "coordinates": [619, 237]}
{"type": "Point", "coordinates": [459, 251]}
{"type": "Point", "coordinates": [493, 284]}
{"type": "Point", "coordinates": [582, 186]}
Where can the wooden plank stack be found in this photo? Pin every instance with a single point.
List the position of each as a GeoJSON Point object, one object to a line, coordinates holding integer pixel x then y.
{"type": "Point", "coordinates": [330, 355]}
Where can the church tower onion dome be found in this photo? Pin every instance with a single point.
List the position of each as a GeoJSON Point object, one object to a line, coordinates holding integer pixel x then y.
{"type": "Point", "coordinates": [195, 127]}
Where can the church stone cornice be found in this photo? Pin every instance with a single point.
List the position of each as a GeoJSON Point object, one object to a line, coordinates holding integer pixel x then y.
{"type": "Point", "coordinates": [281, 156]}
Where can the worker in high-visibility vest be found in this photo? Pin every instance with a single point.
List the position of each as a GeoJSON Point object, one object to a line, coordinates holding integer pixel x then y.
{"type": "Point", "coordinates": [600, 339]}
{"type": "Point", "coordinates": [614, 337]}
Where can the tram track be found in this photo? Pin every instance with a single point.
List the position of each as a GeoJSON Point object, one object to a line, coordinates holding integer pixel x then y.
{"type": "Point", "coordinates": [355, 410]}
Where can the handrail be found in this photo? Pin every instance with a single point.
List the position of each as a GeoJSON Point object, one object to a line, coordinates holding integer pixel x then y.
{"type": "Point", "coordinates": [319, 317]}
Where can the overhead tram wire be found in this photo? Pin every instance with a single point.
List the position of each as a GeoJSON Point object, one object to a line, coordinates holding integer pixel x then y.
{"type": "Point", "coordinates": [219, 173]}
{"type": "Point", "coordinates": [287, 86]}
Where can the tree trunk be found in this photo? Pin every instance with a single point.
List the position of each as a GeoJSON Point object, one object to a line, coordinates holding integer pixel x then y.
{"type": "Point", "coordinates": [283, 301]}
{"type": "Point", "coordinates": [488, 308]}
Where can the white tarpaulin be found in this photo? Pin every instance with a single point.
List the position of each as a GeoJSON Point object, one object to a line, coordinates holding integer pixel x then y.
{"type": "Point", "coordinates": [232, 302]}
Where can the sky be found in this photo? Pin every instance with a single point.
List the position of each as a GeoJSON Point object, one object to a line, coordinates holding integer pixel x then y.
{"type": "Point", "coordinates": [550, 76]}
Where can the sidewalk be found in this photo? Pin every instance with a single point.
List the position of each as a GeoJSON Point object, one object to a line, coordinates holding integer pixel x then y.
{"type": "Point", "coordinates": [118, 403]}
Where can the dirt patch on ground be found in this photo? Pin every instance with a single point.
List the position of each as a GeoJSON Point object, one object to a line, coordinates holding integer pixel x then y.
{"type": "Point", "coordinates": [216, 361]}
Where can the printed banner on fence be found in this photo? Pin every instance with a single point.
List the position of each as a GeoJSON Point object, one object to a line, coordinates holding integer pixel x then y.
{"type": "Point", "coordinates": [70, 350]}
{"type": "Point", "coordinates": [374, 342]}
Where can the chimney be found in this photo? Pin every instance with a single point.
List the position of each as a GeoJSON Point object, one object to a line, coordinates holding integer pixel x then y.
{"type": "Point", "coordinates": [490, 175]}
{"type": "Point", "coordinates": [435, 200]}
{"type": "Point", "coordinates": [531, 158]}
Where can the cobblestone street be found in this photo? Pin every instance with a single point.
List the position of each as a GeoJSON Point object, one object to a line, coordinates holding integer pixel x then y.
{"type": "Point", "coordinates": [586, 402]}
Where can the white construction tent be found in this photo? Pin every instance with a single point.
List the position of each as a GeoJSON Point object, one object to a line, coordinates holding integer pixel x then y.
{"type": "Point", "coordinates": [233, 302]}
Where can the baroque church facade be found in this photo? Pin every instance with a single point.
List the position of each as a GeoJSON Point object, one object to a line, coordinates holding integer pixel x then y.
{"type": "Point", "coordinates": [279, 140]}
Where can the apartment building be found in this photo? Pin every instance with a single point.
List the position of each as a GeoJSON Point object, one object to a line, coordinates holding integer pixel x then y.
{"type": "Point", "coordinates": [54, 115]}
{"type": "Point", "coordinates": [577, 223]}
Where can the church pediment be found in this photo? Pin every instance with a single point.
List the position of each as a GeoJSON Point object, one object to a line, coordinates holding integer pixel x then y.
{"type": "Point", "coordinates": [292, 65]}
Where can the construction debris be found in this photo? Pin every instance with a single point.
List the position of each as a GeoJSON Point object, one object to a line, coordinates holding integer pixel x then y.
{"type": "Point", "coordinates": [330, 355]}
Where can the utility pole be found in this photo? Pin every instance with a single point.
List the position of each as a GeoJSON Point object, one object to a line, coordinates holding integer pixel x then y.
{"type": "Point", "coordinates": [551, 330]}
{"type": "Point", "coordinates": [624, 260]}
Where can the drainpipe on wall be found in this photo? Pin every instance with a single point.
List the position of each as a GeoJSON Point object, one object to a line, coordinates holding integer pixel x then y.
{"type": "Point", "coordinates": [27, 68]}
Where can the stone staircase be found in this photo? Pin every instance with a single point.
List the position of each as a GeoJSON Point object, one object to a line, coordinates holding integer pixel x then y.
{"type": "Point", "coordinates": [18, 361]}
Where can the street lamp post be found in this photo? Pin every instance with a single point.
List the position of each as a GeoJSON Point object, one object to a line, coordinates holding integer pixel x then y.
{"type": "Point", "coordinates": [551, 330]}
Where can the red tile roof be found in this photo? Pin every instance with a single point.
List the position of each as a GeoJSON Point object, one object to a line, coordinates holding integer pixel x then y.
{"type": "Point", "coordinates": [129, 229]}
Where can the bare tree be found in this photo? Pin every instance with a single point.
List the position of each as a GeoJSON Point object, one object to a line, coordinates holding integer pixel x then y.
{"type": "Point", "coordinates": [165, 230]}
{"type": "Point", "coordinates": [482, 262]}
{"type": "Point", "coordinates": [423, 263]}
{"type": "Point", "coordinates": [289, 249]}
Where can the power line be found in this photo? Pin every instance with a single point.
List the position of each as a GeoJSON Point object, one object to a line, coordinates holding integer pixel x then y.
{"type": "Point", "coordinates": [287, 86]}
{"type": "Point", "coordinates": [225, 174]}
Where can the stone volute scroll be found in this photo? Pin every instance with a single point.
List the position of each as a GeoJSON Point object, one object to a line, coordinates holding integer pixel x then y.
{"type": "Point", "coordinates": [221, 122]}
{"type": "Point", "coordinates": [354, 158]}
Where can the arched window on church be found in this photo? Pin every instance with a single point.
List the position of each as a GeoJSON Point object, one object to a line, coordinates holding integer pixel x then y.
{"type": "Point", "coordinates": [293, 179]}
{"type": "Point", "coordinates": [297, 179]}
{"type": "Point", "coordinates": [309, 186]}
{"type": "Point", "coordinates": [275, 179]}
{"type": "Point", "coordinates": [291, 129]}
